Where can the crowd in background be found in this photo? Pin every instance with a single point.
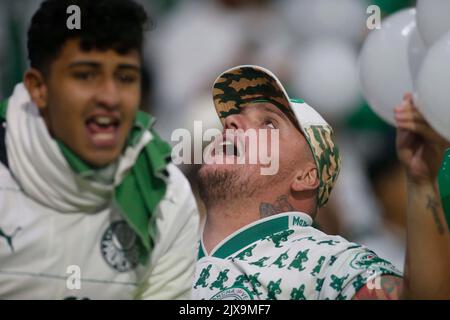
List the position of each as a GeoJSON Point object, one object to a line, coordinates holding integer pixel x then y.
{"type": "Point", "coordinates": [312, 46]}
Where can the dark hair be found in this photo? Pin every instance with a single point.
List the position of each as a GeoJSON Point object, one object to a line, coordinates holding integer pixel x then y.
{"type": "Point", "coordinates": [105, 24]}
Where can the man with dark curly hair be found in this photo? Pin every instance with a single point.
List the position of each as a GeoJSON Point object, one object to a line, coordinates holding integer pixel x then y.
{"type": "Point", "coordinates": [90, 206]}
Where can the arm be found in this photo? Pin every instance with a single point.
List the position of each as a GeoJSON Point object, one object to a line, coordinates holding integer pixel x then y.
{"type": "Point", "coordinates": [427, 267]}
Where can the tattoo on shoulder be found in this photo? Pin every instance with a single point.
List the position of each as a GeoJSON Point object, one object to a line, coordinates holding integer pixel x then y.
{"type": "Point", "coordinates": [280, 205]}
{"type": "Point", "coordinates": [432, 205]}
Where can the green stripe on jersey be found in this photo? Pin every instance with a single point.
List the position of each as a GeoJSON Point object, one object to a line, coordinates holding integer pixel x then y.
{"type": "Point", "coordinates": [250, 235]}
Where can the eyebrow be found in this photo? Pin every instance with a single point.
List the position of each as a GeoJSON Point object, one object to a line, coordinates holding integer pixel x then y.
{"type": "Point", "coordinates": [97, 65]}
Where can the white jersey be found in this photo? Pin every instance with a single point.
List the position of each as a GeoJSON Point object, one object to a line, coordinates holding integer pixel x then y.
{"type": "Point", "coordinates": [283, 257]}
{"type": "Point", "coordinates": [45, 254]}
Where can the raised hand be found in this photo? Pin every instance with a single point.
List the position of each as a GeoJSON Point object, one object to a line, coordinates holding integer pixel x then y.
{"type": "Point", "coordinates": [419, 147]}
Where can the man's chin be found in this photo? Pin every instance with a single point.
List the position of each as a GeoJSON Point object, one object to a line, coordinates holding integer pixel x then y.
{"type": "Point", "coordinates": [216, 182]}
{"type": "Point", "coordinates": [210, 168]}
{"type": "Point", "coordinates": [100, 159]}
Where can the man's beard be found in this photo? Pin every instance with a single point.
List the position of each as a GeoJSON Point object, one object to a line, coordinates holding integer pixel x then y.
{"type": "Point", "coordinates": [218, 185]}
{"type": "Point", "coordinates": [224, 186]}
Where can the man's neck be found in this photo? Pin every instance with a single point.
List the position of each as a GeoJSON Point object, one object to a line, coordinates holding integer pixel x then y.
{"type": "Point", "coordinates": [225, 218]}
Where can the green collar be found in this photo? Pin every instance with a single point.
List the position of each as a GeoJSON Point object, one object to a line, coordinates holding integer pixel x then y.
{"type": "Point", "coordinates": [257, 231]}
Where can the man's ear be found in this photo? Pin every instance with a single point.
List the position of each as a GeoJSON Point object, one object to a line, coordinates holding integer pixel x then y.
{"type": "Point", "coordinates": [306, 179]}
{"type": "Point", "coordinates": [35, 83]}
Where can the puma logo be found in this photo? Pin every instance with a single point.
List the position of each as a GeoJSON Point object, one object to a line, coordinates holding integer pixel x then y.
{"type": "Point", "coordinates": [9, 238]}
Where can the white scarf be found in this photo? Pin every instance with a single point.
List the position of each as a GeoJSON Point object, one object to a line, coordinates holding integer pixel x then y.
{"type": "Point", "coordinates": [40, 168]}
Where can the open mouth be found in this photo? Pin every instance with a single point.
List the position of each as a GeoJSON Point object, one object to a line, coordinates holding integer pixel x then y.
{"type": "Point", "coordinates": [225, 149]}
{"type": "Point", "coordinates": [103, 130]}
{"type": "Point", "coordinates": [229, 149]}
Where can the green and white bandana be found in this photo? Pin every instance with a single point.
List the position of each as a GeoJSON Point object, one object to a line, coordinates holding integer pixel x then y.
{"type": "Point", "coordinates": [282, 257]}
{"type": "Point", "coordinates": [54, 176]}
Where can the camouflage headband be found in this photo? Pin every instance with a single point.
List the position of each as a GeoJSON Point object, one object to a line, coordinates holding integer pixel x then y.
{"type": "Point", "coordinates": [244, 84]}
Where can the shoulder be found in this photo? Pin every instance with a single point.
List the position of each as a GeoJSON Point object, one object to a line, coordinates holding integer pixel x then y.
{"type": "Point", "coordinates": [349, 255]}
{"type": "Point", "coordinates": [322, 242]}
{"type": "Point", "coordinates": [179, 191]}
{"type": "Point", "coordinates": [11, 196]}
{"type": "Point", "coordinates": [348, 266]}
{"type": "Point", "coordinates": [179, 194]}
{"type": "Point", "coordinates": [177, 212]}
{"type": "Point", "coordinates": [177, 224]}
{"type": "Point", "coordinates": [7, 182]}
{"type": "Point", "coordinates": [177, 180]}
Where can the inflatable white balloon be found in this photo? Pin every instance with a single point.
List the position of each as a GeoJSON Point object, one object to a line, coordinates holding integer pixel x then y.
{"type": "Point", "coordinates": [389, 62]}
{"type": "Point", "coordinates": [325, 74]}
{"type": "Point", "coordinates": [433, 90]}
{"type": "Point", "coordinates": [343, 19]}
{"type": "Point", "coordinates": [433, 19]}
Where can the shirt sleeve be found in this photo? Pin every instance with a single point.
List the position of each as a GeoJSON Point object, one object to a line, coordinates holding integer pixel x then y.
{"type": "Point", "coordinates": [172, 265]}
{"type": "Point", "coordinates": [350, 270]}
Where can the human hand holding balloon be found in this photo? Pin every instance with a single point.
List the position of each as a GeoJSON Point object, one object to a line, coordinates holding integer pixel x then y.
{"type": "Point", "coordinates": [420, 148]}
{"type": "Point", "coordinates": [395, 59]}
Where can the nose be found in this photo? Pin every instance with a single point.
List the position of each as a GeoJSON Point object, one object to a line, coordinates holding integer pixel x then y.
{"type": "Point", "coordinates": [108, 94]}
{"type": "Point", "coordinates": [236, 121]}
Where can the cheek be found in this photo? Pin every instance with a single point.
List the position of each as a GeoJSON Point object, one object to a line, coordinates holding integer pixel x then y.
{"type": "Point", "coordinates": [67, 98]}
{"type": "Point", "coordinates": [64, 113]}
{"type": "Point", "coordinates": [264, 141]}
{"type": "Point", "coordinates": [290, 151]}
{"type": "Point", "coordinates": [130, 102]}
{"type": "Point", "coordinates": [132, 94]}
{"type": "Point", "coordinates": [128, 116]}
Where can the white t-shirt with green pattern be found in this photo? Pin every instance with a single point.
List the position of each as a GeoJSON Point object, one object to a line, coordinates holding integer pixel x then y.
{"type": "Point", "coordinates": [283, 257]}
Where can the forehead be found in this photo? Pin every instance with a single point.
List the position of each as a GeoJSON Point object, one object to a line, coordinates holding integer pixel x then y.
{"type": "Point", "coordinates": [71, 52]}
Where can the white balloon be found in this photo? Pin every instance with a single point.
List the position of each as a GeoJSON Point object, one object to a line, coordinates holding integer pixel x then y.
{"type": "Point", "coordinates": [389, 62]}
{"type": "Point", "coordinates": [193, 45]}
{"type": "Point", "coordinates": [343, 19]}
{"type": "Point", "coordinates": [326, 76]}
{"type": "Point", "coordinates": [433, 86]}
{"type": "Point", "coordinates": [416, 53]}
{"type": "Point", "coordinates": [433, 19]}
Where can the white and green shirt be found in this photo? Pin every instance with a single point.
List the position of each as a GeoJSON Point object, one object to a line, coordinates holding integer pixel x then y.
{"type": "Point", "coordinates": [283, 257]}
{"type": "Point", "coordinates": [64, 235]}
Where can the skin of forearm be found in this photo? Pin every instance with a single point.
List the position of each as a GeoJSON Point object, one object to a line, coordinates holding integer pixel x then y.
{"type": "Point", "coordinates": [427, 267]}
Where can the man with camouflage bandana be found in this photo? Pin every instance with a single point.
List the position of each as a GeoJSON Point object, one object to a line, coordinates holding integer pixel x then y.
{"type": "Point", "coordinates": [252, 218]}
